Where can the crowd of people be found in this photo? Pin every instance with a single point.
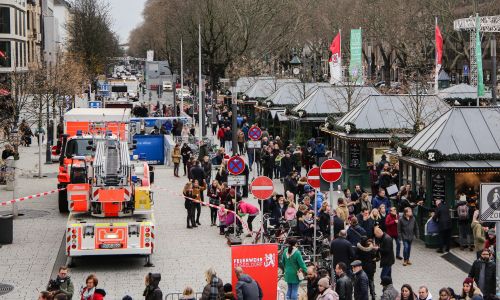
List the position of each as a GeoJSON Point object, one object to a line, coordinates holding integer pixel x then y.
{"type": "Point", "coordinates": [62, 288]}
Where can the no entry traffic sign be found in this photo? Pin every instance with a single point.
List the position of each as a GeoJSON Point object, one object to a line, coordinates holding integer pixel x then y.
{"type": "Point", "coordinates": [262, 187]}
{"type": "Point", "coordinates": [331, 170]}
{"type": "Point", "coordinates": [254, 133]}
{"type": "Point", "coordinates": [313, 177]}
{"type": "Point", "coordinates": [236, 165]}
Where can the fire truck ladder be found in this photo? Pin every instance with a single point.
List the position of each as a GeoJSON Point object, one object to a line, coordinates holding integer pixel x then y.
{"type": "Point", "coordinates": [112, 163]}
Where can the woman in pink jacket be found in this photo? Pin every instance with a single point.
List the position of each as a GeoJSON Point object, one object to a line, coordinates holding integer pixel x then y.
{"type": "Point", "coordinates": [252, 211]}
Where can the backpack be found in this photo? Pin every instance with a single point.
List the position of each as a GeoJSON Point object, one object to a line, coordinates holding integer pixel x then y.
{"type": "Point", "coordinates": [463, 212]}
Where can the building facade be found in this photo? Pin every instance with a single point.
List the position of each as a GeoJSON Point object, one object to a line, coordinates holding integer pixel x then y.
{"type": "Point", "coordinates": [13, 37]}
{"type": "Point", "coordinates": [34, 30]}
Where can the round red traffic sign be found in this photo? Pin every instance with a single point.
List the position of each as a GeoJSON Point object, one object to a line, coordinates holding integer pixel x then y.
{"type": "Point", "coordinates": [331, 170]}
{"type": "Point", "coordinates": [254, 133]}
{"type": "Point", "coordinates": [236, 165]}
{"type": "Point", "coordinates": [262, 187]}
{"type": "Point", "coordinates": [313, 177]}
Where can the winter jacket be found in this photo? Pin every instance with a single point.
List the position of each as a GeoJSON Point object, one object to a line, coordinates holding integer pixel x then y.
{"type": "Point", "coordinates": [328, 294]}
{"type": "Point", "coordinates": [291, 264]}
{"type": "Point", "coordinates": [342, 251]}
{"type": "Point", "coordinates": [391, 227]}
{"type": "Point", "coordinates": [354, 234]}
{"type": "Point", "coordinates": [442, 217]}
{"type": "Point", "coordinates": [213, 290]}
{"type": "Point", "coordinates": [342, 212]}
{"type": "Point", "coordinates": [248, 208]}
{"type": "Point", "coordinates": [367, 257]}
{"type": "Point", "coordinates": [312, 288]}
{"type": "Point", "coordinates": [478, 234]}
{"type": "Point", "coordinates": [361, 286]}
{"type": "Point", "coordinates": [186, 153]}
{"type": "Point", "coordinates": [248, 289]}
{"type": "Point", "coordinates": [389, 293]}
{"type": "Point", "coordinates": [367, 225]}
{"type": "Point", "coordinates": [407, 228]}
{"type": "Point", "coordinates": [203, 151]}
{"type": "Point", "coordinates": [386, 250]}
{"type": "Point", "coordinates": [98, 295]}
{"type": "Point", "coordinates": [319, 200]}
{"type": "Point", "coordinates": [66, 286]}
{"type": "Point", "coordinates": [379, 200]}
{"type": "Point", "coordinates": [176, 155]}
{"type": "Point", "coordinates": [344, 287]}
{"type": "Point", "coordinates": [489, 287]}
{"type": "Point", "coordinates": [152, 291]}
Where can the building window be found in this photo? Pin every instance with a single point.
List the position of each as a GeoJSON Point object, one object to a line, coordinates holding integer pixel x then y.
{"type": "Point", "coordinates": [4, 20]}
{"type": "Point", "coordinates": [5, 59]}
{"type": "Point", "coordinates": [17, 54]}
{"type": "Point", "coordinates": [28, 20]}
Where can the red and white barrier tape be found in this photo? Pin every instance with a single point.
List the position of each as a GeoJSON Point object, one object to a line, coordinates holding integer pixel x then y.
{"type": "Point", "coordinates": [243, 222]}
{"type": "Point", "coordinates": [5, 203]}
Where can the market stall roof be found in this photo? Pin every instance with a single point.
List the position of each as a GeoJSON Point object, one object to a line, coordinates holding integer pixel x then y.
{"type": "Point", "coordinates": [462, 165]}
{"type": "Point", "coordinates": [293, 93]}
{"type": "Point", "coordinates": [244, 83]}
{"type": "Point", "coordinates": [333, 99]}
{"type": "Point", "coordinates": [461, 130]}
{"type": "Point", "coordinates": [263, 88]}
{"type": "Point", "coordinates": [461, 91]}
{"type": "Point", "coordinates": [394, 111]}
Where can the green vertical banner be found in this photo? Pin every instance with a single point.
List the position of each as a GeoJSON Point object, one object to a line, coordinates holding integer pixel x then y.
{"type": "Point", "coordinates": [356, 63]}
{"type": "Point", "coordinates": [479, 59]}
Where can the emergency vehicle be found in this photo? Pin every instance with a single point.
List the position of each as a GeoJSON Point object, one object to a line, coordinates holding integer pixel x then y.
{"type": "Point", "coordinates": [82, 125]}
{"type": "Point", "coordinates": [110, 203]}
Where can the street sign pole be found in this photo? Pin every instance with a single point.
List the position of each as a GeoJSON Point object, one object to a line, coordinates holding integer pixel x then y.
{"type": "Point", "coordinates": [497, 258]}
{"type": "Point", "coordinates": [332, 223]}
{"type": "Point", "coordinates": [315, 230]}
{"type": "Point", "coordinates": [262, 222]}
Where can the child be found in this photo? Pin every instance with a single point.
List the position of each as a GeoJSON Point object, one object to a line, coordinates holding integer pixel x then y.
{"type": "Point", "coordinates": [222, 214]}
{"type": "Point", "coordinates": [188, 294]}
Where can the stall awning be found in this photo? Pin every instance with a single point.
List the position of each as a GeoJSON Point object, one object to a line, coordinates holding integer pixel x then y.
{"type": "Point", "coordinates": [464, 166]}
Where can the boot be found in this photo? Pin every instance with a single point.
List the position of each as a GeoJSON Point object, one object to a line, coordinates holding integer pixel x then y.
{"type": "Point", "coordinates": [405, 262]}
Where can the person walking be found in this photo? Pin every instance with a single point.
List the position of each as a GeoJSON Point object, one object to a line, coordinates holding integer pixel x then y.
{"type": "Point", "coordinates": [361, 283]}
{"type": "Point", "coordinates": [391, 227]}
{"type": "Point", "coordinates": [246, 287]}
{"type": "Point", "coordinates": [312, 282]}
{"type": "Point", "coordinates": [483, 271]}
{"type": "Point", "coordinates": [386, 251]}
{"type": "Point", "coordinates": [214, 289]}
{"type": "Point", "coordinates": [325, 291]}
{"type": "Point", "coordinates": [407, 292]}
{"type": "Point", "coordinates": [464, 214]}
{"type": "Point", "coordinates": [189, 205]}
{"type": "Point", "coordinates": [442, 218]}
{"type": "Point", "coordinates": [342, 249]}
{"type": "Point", "coordinates": [367, 253]}
{"type": "Point", "coordinates": [478, 234]}
{"type": "Point", "coordinates": [186, 155]}
{"type": "Point", "coordinates": [343, 285]}
{"type": "Point", "coordinates": [292, 262]}
{"type": "Point", "coordinates": [389, 292]}
{"type": "Point", "coordinates": [62, 284]}
{"type": "Point", "coordinates": [407, 230]}
{"type": "Point", "coordinates": [152, 290]}
{"type": "Point", "coordinates": [176, 159]}
{"type": "Point", "coordinates": [213, 198]}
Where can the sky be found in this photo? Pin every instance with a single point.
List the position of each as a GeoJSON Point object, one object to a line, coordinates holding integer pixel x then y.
{"type": "Point", "coordinates": [126, 14]}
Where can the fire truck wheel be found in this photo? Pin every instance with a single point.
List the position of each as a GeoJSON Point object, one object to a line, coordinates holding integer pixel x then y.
{"type": "Point", "coordinates": [63, 201]}
{"type": "Point", "coordinates": [148, 261]}
{"type": "Point", "coordinates": [70, 262]}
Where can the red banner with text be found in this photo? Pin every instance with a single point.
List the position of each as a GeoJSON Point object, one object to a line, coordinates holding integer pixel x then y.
{"type": "Point", "coordinates": [259, 262]}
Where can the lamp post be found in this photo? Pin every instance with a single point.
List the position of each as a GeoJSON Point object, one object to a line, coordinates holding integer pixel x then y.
{"type": "Point", "coordinates": [493, 70]}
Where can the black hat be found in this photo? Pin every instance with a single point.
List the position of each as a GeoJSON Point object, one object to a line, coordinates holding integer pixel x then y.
{"type": "Point", "coordinates": [386, 280]}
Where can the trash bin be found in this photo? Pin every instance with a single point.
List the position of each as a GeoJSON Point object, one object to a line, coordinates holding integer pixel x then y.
{"type": "Point", "coordinates": [6, 229]}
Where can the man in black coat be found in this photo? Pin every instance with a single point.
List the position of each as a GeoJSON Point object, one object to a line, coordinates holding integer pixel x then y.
{"type": "Point", "coordinates": [386, 250]}
{"type": "Point", "coordinates": [483, 271]}
{"type": "Point", "coordinates": [344, 284]}
{"type": "Point", "coordinates": [361, 283]}
{"type": "Point", "coordinates": [197, 173]}
{"type": "Point", "coordinates": [342, 249]}
{"type": "Point", "coordinates": [442, 217]}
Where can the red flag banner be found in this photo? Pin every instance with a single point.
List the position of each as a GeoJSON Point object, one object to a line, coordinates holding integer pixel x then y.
{"type": "Point", "coordinates": [335, 46]}
{"type": "Point", "coordinates": [439, 46]}
{"type": "Point", "coordinates": [259, 262]}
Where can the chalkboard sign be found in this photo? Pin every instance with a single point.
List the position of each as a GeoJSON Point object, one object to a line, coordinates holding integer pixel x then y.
{"type": "Point", "coordinates": [438, 187]}
{"type": "Point", "coordinates": [354, 156]}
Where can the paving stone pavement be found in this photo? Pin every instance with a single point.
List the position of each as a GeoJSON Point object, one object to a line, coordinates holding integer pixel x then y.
{"type": "Point", "coordinates": [182, 255]}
